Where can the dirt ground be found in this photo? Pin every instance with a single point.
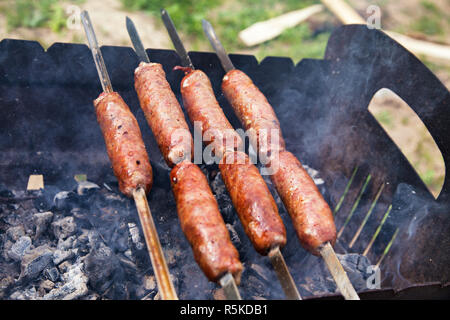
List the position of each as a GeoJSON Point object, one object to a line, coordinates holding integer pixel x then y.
{"type": "Point", "coordinates": [401, 123]}
{"type": "Point", "coordinates": [107, 16]}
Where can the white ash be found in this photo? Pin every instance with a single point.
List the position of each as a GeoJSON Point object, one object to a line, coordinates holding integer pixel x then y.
{"type": "Point", "coordinates": [64, 227]}
{"type": "Point", "coordinates": [135, 236]}
{"type": "Point", "coordinates": [86, 186]}
{"type": "Point", "coordinates": [35, 261]}
{"type": "Point", "coordinates": [19, 248]}
{"type": "Point", "coordinates": [314, 174]}
{"type": "Point", "coordinates": [42, 221]}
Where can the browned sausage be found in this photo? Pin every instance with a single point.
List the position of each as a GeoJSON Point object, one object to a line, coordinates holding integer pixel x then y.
{"type": "Point", "coordinates": [253, 201]}
{"type": "Point", "coordinates": [202, 106]}
{"type": "Point", "coordinates": [124, 143]}
{"type": "Point", "coordinates": [202, 223]}
{"type": "Point", "coordinates": [253, 110]}
{"type": "Point", "coordinates": [163, 113]}
{"type": "Point", "coordinates": [311, 215]}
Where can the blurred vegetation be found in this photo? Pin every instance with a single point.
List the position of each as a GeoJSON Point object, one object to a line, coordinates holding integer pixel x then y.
{"type": "Point", "coordinates": [230, 17]}
{"type": "Point", "coordinates": [431, 19]}
{"type": "Point", "coordinates": [36, 13]}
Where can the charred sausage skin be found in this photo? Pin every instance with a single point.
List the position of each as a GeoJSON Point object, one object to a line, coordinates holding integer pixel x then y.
{"type": "Point", "coordinates": [253, 201]}
{"type": "Point", "coordinates": [163, 113]}
{"type": "Point", "coordinates": [124, 143]}
{"type": "Point", "coordinates": [310, 213]}
{"type": "Point", "coordinates": [202, 223]}
{"type": "Point", "coordinates": [254, 112]}
{"type": "Point", "coordinates": [202, 106]}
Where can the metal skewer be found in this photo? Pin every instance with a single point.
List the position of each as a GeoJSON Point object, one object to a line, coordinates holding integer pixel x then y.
{"type": "Point", "coordinates": [275, 256]}
{"type": "Point", "coordinates": [227, 281]}
{"type": "Point", "coordinates": [165, 285]}
{"type": "Point", "coordinates": [327, 251]}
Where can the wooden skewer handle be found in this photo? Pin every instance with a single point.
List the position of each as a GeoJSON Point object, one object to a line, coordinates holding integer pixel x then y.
{"type": "Point", "coordinates": [165, 285]}
{"type": "Point", "coordinates": [337, 271]}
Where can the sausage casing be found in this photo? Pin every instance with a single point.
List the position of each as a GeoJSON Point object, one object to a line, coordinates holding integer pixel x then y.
{"type": "Point", "coordinates": [202, 107]}
{"type": "Point", "coordinates": [163, 113]}
{"type": "Point", "coordinates": [310, 213]}
{"type": "Point", "coordinates": [254, 112]}
{"type": "Point", "coordinates": [124, 143]}
{"type": "Point", "coordinates": [253, 201]}
{"type": "Point", "coordinates": [202, 222]}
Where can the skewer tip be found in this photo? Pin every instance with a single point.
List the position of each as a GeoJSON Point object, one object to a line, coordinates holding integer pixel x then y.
{"type": "Point", "coordinates": [206, 25]}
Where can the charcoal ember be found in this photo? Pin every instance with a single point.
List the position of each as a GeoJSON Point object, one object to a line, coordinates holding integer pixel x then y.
{"type": "Point", "coordinates": [147, 288]}
{"type": "Point", "coordinates": [234, 236]}
{"type": "Point", "coordinates": [109, 220]}
{"type": "Point", "coordinates": [66, 244]}
{"type": "Point", "coordinates": [65, 200]}
{"type": "Point", "coordinates": [217, 185]}
{"type": "Point", "coordinates": [44, 198]}
{"type": "Point", "coordinates": [81, 243]}
{"type": "Point", "coordinates": [187, 285]}
{"type": "Point", "coordinates": [314, 174]}
{"type": "Point", "coordinates": [45, 286]}
{"type": "Point", "coordinates": [86, 187]}
{"type": "Point", "coordinates": [35, 261]}
{"type": "Point", "coordinates": [120, 237]}
{"type": "Point", "coordinates": [6, 247]}
{"type": "Point", "coordinates": [93, 296]}
{"type": "Point", "coordinates": [5, 192]}
{"type": "Point", "coordinates": [64, 227]}
{"type": "Point", "coordinates": [103, 269]}
{"type": "Point", "coordinates": [19, 248]}
{"type": "Point", "coordinates": [135, 236]}
{"type": "Point", "coordinates": [223, 199]}
{"type": "Point", "coordinates": [27, 294]}
{"type": "Point", "coordinates": [149, 282]}
{"type": "Point", "coordinates": [5, 283]}
{"type": "Point", "coordinates": [314, 278]}
{"type": "Point", "coordinates": [75, 285]}
{"type": "Point", "coordinates": [42, 221]}
{"type": "Point", "coordinates": [62, 255]}
{"type": "Point", "coordinates": [14, 233]}
{"type": "Point", "coordinates": [51, 274]}
{"type": "Point", "coordinates": [64, 267]}
{"type": "Point", "coordinates": [254, 286]}
{"type": "Point", "coordinates": [162, 205]}
{"type": "Point", "coordinates": [172, 256]}
{"type": "Point", "coordinates": [357, 268]}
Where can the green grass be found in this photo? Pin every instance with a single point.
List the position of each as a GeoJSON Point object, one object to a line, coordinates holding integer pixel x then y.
{"type": "Point", "coordinates": [186, 14]}
{"type": "Point", "coordinates": [230, 17]}
{"type": "Point", "coordinates": [431, 20]}
{"type": "Point", "coordinates": [385, 118]}
{"type": "Point", "coordinates": [36, 13]}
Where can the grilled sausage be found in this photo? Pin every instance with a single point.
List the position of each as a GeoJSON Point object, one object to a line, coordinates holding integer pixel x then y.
{"type": "Point", "coordinates": [124, 143]}
{"type": "Point", "coordinates": [163, 113]}
{"type": "Point", "coordinates": [310, 213]}
{"type": "Point", "coordinates": [253, 201]}
{"type": "Point", "coordinates": [202, 223]}
{"type": "Point", "coordinates": [202, 106]}
{"type": "Point", "coordinates": [254, 112]}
